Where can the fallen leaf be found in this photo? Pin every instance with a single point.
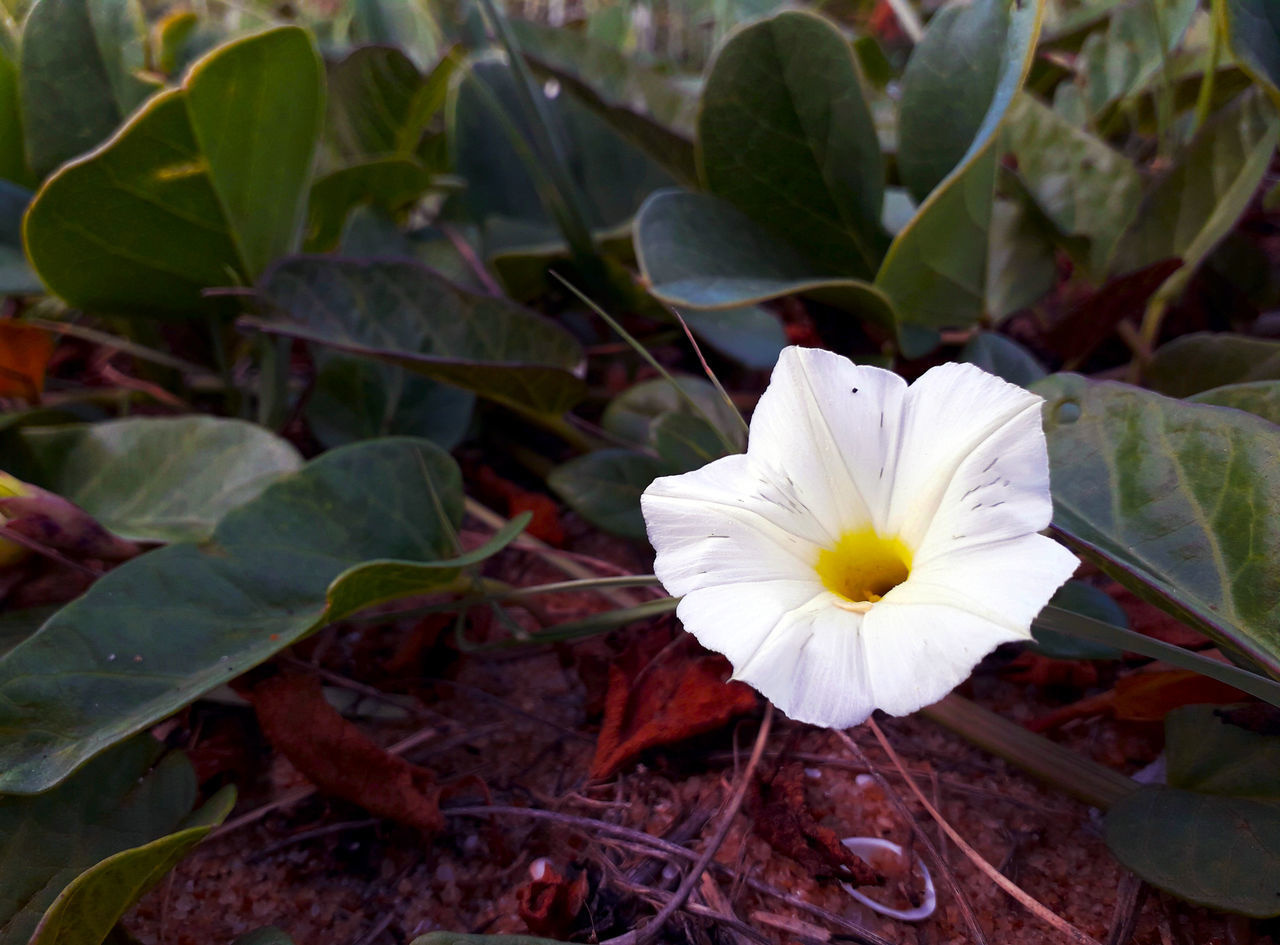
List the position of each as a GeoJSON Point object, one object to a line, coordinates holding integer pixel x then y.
{"type": "Point", "coordinates": [545, 523]}
{"type": "Point", "coordinates": [1040, 670]}
{"type": "Point", "coordinates": [1144, 697]}
{"type": "Point", "coordinates": [550, 902]}
{"type": "Point", "coordinates": [60, 525]}
{"type": "Point", "coordinates": [24, 355]}
{"type": "Point", "coordinates": [782, 817]}
{"type": "Point", "coordinates": [667, 701]}
{"type": "Point", "coordinates": [338, 758]}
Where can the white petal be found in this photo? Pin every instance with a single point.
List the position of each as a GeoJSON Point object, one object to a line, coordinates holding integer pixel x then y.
{"type": "Point", "coordinates": [835, 445]}
{"type": "Point", "coordinates": [812, 666]}
{"type": "Point", "coordinates": [1006, 582]}
{"type": "Point", "coordinates": [726, 524]}
{"type": "Point", "coordinates": [917, 653]}
{"type": "Point", "coordinates": [736, 619]}
{"type": "Point", "coordinates": [951, 412]}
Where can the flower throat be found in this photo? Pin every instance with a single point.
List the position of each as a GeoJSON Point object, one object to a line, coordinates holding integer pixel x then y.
{"type": "Point", "coordinates": [862, 568]}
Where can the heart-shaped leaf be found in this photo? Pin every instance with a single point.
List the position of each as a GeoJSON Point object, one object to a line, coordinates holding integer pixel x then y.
{"type": "Point", "coordinates": [1212, 834]}
{"type": "Point", "coordinates": [1204, 360]}
{"type": "Point", "coordinates": [79, 75]}
{"type": "Point", "coordinates": [632, 414]}
{"type": "Point", "coordinates": [119, 803]}
{"type": "Point", "coordinates": [156, 479]}
{"type": "Point", "coordinates": [1176, 501]}
{"type": "Point", "coordinates": [935, 270]}
{"type": "Point", "coordinates": [404, 313]}
{"type": "Point", "coordinates": [785, 135]}
{"type": "Point", "coordinates": [181, 198]}
{"type": "Point", "coordinates": [155, 633]}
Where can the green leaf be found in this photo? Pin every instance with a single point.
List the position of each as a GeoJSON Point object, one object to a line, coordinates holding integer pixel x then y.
{"type": "Point", "coordinates": [1176, 502]}
{"type": "Point", "coordinates": [685, 442]}
{"type": "Point", "coordinates": [404, 313]}
{"type": "Point", "coordinates": [1211, 836]}
{"type": "Point", "coordinates": [750, 335]}
{"type": "Point", "coordinates": [632, 414]}
{"type": "Point", "coordinates": [16, 278]}
{"type": "Point", "coordinates": [357, 399]}
{"type": "Point", "coordinates": [1087, 190]}
{"type": "Point", "coordinates": [1196, 204]}
{"type": "Point", "coordinates": [651, 110]}
{"type": "Point", "coordinates": [1022, 265]}
{"type": "Point", "coordinates": [1260, 397]}
{"type": "Point", "coordinates": [88, 909]}
{"type": "Point", "coordinates": [1253, 29]}
{"type": "Point", "coordinates": [267, 935]}
{"type": "Point", "coordinates": [698, 251]}
{"type": "Point", "coordinates": [379, 582]}
{"type": "Point", "coordinates": [120, 801]}
{"type": "Point", "coordinates": [79, 75]}
{"type": "Point", "coordinates": [604, 488]}
{"type": "Point", "coordinates": [1081, 598]}
{"type": "Point", "coordinates": [387, 183]}
{"type": "Point", "coordinates": [785, 135]}
{"type": "Point", "coordinates": [1204, 360]}
{"type": "Point", "coordinates": [181, 199]}
{"type": "Point", "coordinates": [156, 479]}
{"type": "Point", "coordinates": [155, 633]}
{"type": "Point", "coordinates": [1003, 357]}
{"type": "Point", "coordinates": [935, 270]}
{"type": "Point", "coordinates": [13, 158]}
{"type": "Point", "coordinates": [380, 105]}
{"type": "Point", "coordinates": [408, 24]}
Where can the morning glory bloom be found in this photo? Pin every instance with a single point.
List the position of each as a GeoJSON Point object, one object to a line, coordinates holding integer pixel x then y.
{"type": "Point", "coordinates": [873, 543]}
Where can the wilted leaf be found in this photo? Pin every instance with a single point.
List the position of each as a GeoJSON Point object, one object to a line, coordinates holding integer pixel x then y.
{"type": "Point", "coordinates": [604, 488]}
{"type": "Point", "coordinates": [79, 75]}
{"type": "Point", "coordinates": [120, 802]}
{"type": "Point", "coordinates": [156, 479]}
{"type": "Point", "coordinates": [1204, 360]}
{"type": "Point", "coordinates": [1211, 835]}
{"type": "Point", "coordinates": [785, 135]}
{"type": "Point", "coordinates": [157, 632]}
{"type": "Point", "coordinates": [406, 314]}
{"type": "Point", "coordinates": [1175, 501]}
{"type": "Point", "coordinates": [180, 198]}
{"type": "Point", "coordinates": [339, 759]}
{"type": "Point", "coordinates": [666, 703]}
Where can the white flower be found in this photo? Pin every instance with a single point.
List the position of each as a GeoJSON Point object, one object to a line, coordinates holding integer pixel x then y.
{"type": "Point", "coordinates": [872, 544]}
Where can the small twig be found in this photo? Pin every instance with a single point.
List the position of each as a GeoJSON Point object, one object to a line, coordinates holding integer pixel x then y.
{"type": "Point", "coordinates": [654, 928]}
{"type": "Point", "coordinates": [944, 868]}
{"type": "Point", "coordinates": [1030, 903]}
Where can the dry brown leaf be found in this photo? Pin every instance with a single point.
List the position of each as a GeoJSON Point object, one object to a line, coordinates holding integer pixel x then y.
{"type": "Point", "coordinates": [783, 819]}
{"type": "Point", "coordinates": [550, 902]}
{"type": "Point", "coordinates": [24, 355]}
{"type": "Point", "coordinates": [1145, 697]}
{"type": "Point", "coordinates": [666, 702]}
{"type": "Point", "coordinates": [338, 758]}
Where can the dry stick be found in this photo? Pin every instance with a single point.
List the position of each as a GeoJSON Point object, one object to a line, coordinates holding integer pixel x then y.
{"type": "Point", "coordinates": [654, 928]}
{"type": "Point", "coordinates": [1129, 899]}
{"type": "Point", "coordinates": [966, 909]}
{"type": "Point", "coordinates": [563, 562]}
{"type": "Point", "coordinates": [1032, 905]}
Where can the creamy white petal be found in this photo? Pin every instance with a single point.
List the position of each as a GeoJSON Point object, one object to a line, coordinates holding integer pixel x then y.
{"type": "Point", "coordinates": [725, 524]}
{"type": "Point", "coordinates": [835, 445]}
{"type": "Point", "coordinates": [948, 413]}
{"type": "Point", "coordinates": [812, 666]}
{"type": "Point", "coordinates": [1004, 582]}
{"type": "Point", "coordinates": [736, 619]}
{"type": "Point", "coordinates": [917, 653]}
{"type": "Point", "coordinates": [1000, 491]}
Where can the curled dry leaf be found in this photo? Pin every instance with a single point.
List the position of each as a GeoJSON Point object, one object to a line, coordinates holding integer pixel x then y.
{"type": "Point", "coordinates": [1145, 697]}
{"type": "Point", "coordinates": [53, 522]}
{"type": "Point", "coordinates": [338, 758]}
{"type": "Point", "coordinates": [668, 701]}
{"type": "Point", "coordinates": [550, 902]}
{"type": "Point", "coordinates": [783, 818]}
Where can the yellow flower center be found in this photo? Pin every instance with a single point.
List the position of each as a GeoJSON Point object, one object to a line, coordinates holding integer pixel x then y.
{"type": "Point", "coordinates": [862, 568]}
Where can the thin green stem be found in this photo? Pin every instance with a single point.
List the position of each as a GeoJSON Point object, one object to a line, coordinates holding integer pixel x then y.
{"type": "Point", "coordinates": [1204, 99]}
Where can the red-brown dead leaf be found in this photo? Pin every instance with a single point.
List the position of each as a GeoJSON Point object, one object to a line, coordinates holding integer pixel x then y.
{"type": "Point", "coordinates": [1145, 697]}
{"type": "Point", "coordinates": [1040, 670]}
{"type": "Point", "coordinates": [545, 523]}
{"type": "Point", "coordinates": [550, 902]}
{"type": "Point", "coordinates": [667, 701]}
{"type": "Point", "coordinates": [1150, 620]}
{"type": "Point", "coordinates": [338, 758]}
{"type": "Point", "coordinates": [24, 355]}
{"type": "Point", "coordinates": [782, 817]}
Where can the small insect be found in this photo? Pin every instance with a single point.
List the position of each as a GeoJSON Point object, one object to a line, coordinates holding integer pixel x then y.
{"type": "Point", "coordinates": [854, 391]}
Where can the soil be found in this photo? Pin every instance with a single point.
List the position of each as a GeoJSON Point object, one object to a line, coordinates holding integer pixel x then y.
{"type": "Point", "coordinates": [517, 728]}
